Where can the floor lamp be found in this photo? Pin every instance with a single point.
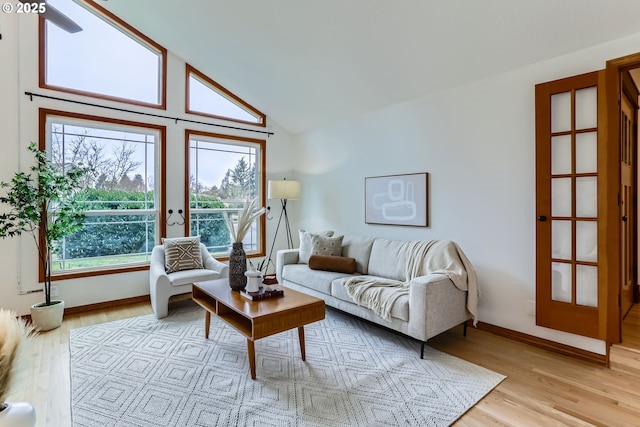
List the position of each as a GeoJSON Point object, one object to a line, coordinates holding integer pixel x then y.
{"type": "Point", "coordinates": [283, 190]}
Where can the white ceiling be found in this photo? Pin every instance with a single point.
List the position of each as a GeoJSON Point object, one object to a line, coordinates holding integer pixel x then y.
{"type": "Point", "coordinates": [308, 62]}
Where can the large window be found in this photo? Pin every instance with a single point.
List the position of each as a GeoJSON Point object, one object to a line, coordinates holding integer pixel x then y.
{"type": "Point", "coordinates": [224, 173]}
{"type": "Point", "coordinates": [121, 189]}
{"type": "Point", "coordinates": [125, 193]}
{"type": "Point", "coordinates": [107, 57]}
{"type": "Point", "coordinates": [207, 98]}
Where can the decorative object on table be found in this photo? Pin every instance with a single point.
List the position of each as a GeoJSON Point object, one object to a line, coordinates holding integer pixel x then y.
{"type": "Point", "coordinates": [254, 279]}
{"type": "Point", "coordinates": [237, 267]}
{"type": "Point", "coordinates": [13, 333]}
{"type": "Point", "coordinates": [262, 293]}
{"type": "Point", "coordinates": [56, 189]}
{"type": "Point", "coordinates": [397, 199]}
{"type": "Point", "coordinates": [285, 191]}
{"type": "Point", "coordinates": [269, 279]}
{"type": "Point", "coordinates": [238, 257]}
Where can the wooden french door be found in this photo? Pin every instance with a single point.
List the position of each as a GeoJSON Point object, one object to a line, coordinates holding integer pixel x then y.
{"type": "Point", "coordinates": [571, 232]}
{"type": "Point", "coordinates": [628, 160]}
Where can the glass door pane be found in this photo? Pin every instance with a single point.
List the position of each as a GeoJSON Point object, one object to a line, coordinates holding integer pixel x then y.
{"type": "Point", "coordinates": [574, 196]}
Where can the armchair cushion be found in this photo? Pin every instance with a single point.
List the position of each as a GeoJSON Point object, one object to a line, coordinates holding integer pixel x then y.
{"type": "Point", "coordinates": [187, 277]}
{"type": "Point", "coordinates": [182, 253]}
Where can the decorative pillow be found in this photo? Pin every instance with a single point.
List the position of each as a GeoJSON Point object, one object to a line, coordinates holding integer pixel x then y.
{"type": "Point", "coordinates": [321, 245]}
{"type": "Point", "coordinates": [182, 253]}
{"type": "Point", "coordinates": [305, 244]}
{"type": "Point", "coordinates": [341, 264]}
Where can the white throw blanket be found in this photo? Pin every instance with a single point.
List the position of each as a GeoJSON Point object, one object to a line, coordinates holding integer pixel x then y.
{"type": "Point", "coordinates": [423, 258]}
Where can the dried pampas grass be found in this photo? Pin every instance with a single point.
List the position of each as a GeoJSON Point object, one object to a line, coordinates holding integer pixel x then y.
{"type": "Point", "coordinates": [245, 218]}
{"type": "Point", "coordinates": [13, 331]}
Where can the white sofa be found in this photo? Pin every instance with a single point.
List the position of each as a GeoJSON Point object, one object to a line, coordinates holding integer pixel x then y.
{"type": "Point", "coordinates": [163, 285]}
{"type": "Point", "coordinates": [432, 305]}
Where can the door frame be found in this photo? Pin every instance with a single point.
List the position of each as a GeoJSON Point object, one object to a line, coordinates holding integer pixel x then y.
{"type": "Point", "coordinates": [630, 93]}
{"type": "Point", "coordinates": [613, 85]}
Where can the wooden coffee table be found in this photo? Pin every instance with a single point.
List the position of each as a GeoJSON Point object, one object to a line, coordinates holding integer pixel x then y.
{"type": "Point", "coordinates": [257, 319]}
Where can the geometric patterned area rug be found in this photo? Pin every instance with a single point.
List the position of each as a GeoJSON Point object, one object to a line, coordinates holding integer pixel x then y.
{"type": "Point", "coordinates": [148, 372]}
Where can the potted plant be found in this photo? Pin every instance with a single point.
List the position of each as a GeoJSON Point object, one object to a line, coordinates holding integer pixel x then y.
{"type": "Point", "coordinates": [45, 204]}
{"type": "Point", "coordinates": [237, 257]}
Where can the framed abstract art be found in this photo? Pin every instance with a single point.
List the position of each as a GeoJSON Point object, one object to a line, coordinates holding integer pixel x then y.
{"type": "Point", "coordinates": [397, 199]}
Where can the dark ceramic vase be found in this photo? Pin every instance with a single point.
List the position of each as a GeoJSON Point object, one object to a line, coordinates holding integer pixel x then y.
{"type": "Point", "coordinates": [237, 267]}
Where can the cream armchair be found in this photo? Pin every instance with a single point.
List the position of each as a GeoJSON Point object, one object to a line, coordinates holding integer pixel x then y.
{"type": "Point", "coordinates": [163, 286]}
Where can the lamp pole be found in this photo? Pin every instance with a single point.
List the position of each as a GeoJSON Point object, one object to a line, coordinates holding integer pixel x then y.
{"type": "Point", "coordinates": [283, 190]}
{"type": "Point", "coordinates": [283, 213]}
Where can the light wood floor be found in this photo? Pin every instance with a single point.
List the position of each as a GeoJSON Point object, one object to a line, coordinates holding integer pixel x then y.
{"type": "Point", "coordinates": [541, 389]}
{"type": "Point", "coordinates": [631, 328]}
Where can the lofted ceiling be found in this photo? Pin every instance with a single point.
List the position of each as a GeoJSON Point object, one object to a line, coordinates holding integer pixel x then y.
{"type": "Point", "coordinates": [306, 63]}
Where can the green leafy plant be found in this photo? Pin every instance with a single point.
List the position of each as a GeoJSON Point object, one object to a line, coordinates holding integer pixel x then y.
{"type": "Point", "coordinates": [43, 202]}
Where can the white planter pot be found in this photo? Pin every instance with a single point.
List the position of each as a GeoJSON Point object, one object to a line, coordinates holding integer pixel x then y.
{"type": "Point", "coordinates": [47, 317]}
{"type": "Point", "coordinates": [18, 414]}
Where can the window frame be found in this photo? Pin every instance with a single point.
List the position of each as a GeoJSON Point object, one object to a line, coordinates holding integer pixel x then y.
{"type": "Point", "coordinates": [161, 228]}
{"type": "Point", "coordinates": [222, 91]}
{"type": "Point", "coordinates": [112, 19]}
{"type": "Point", "coordinates": [261, 251]}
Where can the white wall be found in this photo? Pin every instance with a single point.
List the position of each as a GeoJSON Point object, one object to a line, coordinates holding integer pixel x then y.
{"type": "Point", "coordinates": [477, 142]}
{"type": "Point", "coordinates": [19, 125]}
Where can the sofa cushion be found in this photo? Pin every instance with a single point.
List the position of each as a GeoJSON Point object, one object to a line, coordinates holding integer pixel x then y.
{"type": "Point", "coordinates": [182, 253]}
{"type": "Point", "coordinates": [332, 263]}
{"type": "Point", "coordinates": [388, 259]}
{"type": "Point", "coordinates": [359, 248]}
{"type": "Point", "coordinates": [302, 275]}
{"type": "Point", "coordinates": [322, 245]}
{"type": "Point", "coordinates": [305, 244]}
{"type": "Point", "coordinates": [399, 310]}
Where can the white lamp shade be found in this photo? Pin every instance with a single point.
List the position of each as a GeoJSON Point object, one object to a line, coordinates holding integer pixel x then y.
{"type": "Point", "coordinates": [283, 190]}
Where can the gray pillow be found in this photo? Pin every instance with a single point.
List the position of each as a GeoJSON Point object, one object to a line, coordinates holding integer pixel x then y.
{"type": "Point", "coordinates": [305, 244]}
{"type": "Point", "coordinates": [182, 253]}
{"type": "Point", "coordinates": [322, 245]}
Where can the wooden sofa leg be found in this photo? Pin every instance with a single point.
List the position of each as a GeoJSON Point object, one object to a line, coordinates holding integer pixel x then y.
{"type": "Point", "coordinates": [422, 350]}
{"type": "Point", "coordinates": [464, 329]}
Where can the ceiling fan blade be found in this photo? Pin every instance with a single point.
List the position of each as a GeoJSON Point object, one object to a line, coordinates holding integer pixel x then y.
{"type": "Point", "coordinates": [58, 18]}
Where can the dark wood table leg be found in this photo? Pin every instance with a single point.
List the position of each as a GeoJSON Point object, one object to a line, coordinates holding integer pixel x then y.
{"type": "Point", "coordinates": [252, 358]}
{"type": "Point", "coordinates": [301, 338]}
{"type": "Point", "coordinates": [207, 323]}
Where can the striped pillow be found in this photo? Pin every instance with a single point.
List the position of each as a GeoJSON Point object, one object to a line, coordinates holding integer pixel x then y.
{"type": "Point", "coordinates": [182, 253]}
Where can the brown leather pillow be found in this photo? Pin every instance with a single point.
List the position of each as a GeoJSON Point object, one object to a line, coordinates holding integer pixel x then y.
{"type": "Point", "coordinates": [340, 264]}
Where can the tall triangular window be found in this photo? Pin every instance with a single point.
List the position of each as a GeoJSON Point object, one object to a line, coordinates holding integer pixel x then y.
{"type": "Point", "coordinates": [208, 98]}
{"type": "Point", "coordinates": [106, 58]}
